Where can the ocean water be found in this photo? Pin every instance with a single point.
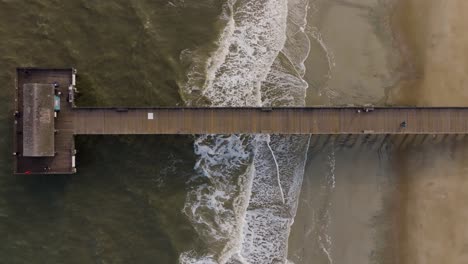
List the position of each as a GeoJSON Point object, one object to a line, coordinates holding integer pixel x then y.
{"type": "Point", "coordinates": [125, 204]}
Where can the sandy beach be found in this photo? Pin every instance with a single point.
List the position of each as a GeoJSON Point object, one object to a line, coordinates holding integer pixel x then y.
{"type": "Point", "coordinates": [394, 204]}
{"type": "Point", "coordinates": [433, 40]}
{"type": "Point", "coordinates": [432, 204]}
{"type": "Point", "coordinates": [433, 181]}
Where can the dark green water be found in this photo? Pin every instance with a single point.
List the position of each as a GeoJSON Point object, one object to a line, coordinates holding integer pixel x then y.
{"type": "Point", "coordinates": [124, 205]}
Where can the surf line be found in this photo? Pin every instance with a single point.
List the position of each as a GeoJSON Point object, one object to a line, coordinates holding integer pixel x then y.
{"type": "Point", "coordinates": [277, 168]}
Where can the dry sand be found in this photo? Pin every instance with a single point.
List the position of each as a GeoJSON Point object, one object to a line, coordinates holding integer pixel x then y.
{"type": "Point", "coordinates": [434, 40]}
{"type": "Point", "coordinates": [433, 227]}
{"type": "Point", "coordinates": [433, 210]}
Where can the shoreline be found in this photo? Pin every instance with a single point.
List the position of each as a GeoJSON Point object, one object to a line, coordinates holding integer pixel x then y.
{"type": "Point", "coordinates": [349, 63]}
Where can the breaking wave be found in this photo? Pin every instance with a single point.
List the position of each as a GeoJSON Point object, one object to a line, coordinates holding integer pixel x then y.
{"type": "Point", "coordinates": [244, 200]}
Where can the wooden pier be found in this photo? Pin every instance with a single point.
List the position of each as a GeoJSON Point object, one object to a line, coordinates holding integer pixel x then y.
{"type": "Point", "coordinates": [71, 121]}
{"type": "Point", "coordinates": [62, 161]}
{"type": "Point", "coordinates": [304, 120]}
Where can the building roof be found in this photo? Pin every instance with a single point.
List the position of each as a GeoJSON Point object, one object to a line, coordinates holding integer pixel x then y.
{"type": "Point", "coordinates": [38, 120]}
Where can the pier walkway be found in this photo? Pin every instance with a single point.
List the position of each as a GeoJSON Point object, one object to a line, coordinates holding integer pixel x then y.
{"type": "Point", "coordinates": [45, 143]}
{"type": "Point", "coordinates": [304, 120]}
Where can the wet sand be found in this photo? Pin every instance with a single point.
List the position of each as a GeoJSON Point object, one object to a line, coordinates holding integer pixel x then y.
{"type": "Point", "coordinates": [342, 215]}
{"type": "Point", "coordinates": [353, 59]}
{"type": "Point", "coordinates": [341, 218]}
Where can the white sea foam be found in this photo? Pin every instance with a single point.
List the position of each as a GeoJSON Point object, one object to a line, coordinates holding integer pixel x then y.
{"type": "Point", "coordinates": [245, 203]}
{"type": "Point", "coordinates": [216, 207]}
{"type": "Point", "coordinates": [252, 40]}
{"type": "Point", "coordinates": [191, 258]}
{"type": "Point", "coordinates": [268, 219]}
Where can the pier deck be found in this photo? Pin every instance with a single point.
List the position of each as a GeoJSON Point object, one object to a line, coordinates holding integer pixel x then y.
{"type": "Point", "coordinates": [61, 163]}
{"type": "Point", "coordinates": [305, 120]}
{"type": "Point", "coordinates": [72, 121]}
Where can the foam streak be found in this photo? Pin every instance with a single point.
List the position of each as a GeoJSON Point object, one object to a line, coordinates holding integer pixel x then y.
{"type": "Point", "coordinates": [277, 168]}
